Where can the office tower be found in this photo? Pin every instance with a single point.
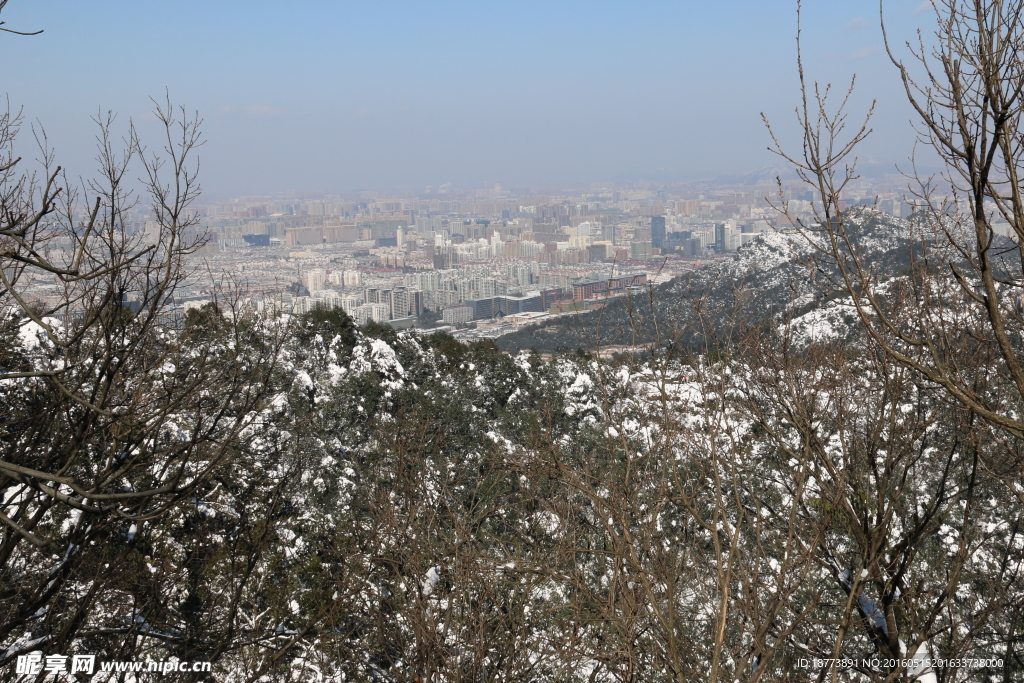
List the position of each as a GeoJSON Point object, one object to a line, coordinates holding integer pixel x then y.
{"type": "Point", "coordinates": [608, 232]}
{"type": "Point", "coordinates": [658, 231]}
{"type": "Point", "coordinates": [640, 251]}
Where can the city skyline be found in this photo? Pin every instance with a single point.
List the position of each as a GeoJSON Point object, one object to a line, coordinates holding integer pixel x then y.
{"type": "Point", "coordinates": [482, 263]}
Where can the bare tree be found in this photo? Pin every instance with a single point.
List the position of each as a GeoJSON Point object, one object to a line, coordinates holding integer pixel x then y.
{"type": "Point", "coordinates": [114, 414]}
{"type": "Point", "coordinates": [953, 320]}
{"type": "Point", "coordinates": [966, 277]}
{"type": "Point", "coordinates": [3, 3]}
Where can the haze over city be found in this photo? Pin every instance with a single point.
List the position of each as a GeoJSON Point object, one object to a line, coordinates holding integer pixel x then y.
{"type": "Point", "coordinates": [335, 97]}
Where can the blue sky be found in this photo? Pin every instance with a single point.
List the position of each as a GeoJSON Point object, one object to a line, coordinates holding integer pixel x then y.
{"type": "Point", "coordinates": [335, 96]}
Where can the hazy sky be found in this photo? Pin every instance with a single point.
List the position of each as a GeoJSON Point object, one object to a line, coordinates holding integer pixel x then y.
{"type": "Point", "coordinates": [339, 95]}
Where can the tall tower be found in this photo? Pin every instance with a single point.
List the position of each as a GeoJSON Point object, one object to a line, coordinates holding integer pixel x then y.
{"type": "Point", "coordinates": [657, 231]}
{"type": "Point", "coordinates": [720, 238]}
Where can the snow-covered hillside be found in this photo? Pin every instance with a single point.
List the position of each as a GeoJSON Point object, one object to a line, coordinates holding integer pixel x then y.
{"type": "Point", "coordinates": [770, 278]}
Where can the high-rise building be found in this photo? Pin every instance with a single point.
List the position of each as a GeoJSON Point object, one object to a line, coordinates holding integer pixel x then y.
{"type": "Point", "coordinates": [426, 225]}
{"type": "Point", "coordinates": [315, 280]}
{"type": "Point", "coordinates": [375, 312]}
{"type": "Point", "coordinates": [640, 251]}
{"type": "Point", "coordinates": [416, 303]}
{"type": "Point", "coordinates": [688, 207]}
{"type": "Point", "coordinates": [440, 299]}
{"type": "Point", "coordinates": [349, 304]}
{"type": "Point", "coordinates": [398, 302]}
{"type": "Point", "coordinates": [445, 258]}
{"type": "Point", "coordinates": [658, 231]}
{"type": "Point", "coordinates": [405, 302]}
{"type": "Point", "coordinates": [608, 233]}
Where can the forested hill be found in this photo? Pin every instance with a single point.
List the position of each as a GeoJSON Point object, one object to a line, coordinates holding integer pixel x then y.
{"type": "Point", "coordinates": [771, 277]}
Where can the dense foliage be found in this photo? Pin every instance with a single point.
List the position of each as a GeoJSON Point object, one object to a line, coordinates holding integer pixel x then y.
{"type": "Point", "coordinates": [409, 508]}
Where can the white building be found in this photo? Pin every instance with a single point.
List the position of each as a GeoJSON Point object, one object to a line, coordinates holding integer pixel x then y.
{"type": "Point", "coordinates": [315, 280]}
{"type": "Point", "coordinates": [457, 315]}
{"type": "Point", "coordinates": [375, 312]}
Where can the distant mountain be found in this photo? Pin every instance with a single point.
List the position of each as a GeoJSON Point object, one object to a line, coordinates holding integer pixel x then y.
{"type": "Point", "coordinates": [656, 175]}
{"type": "Point", "coordinates": [761, 176]}
{"type": "Point", "coordinates": [766, 175]}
